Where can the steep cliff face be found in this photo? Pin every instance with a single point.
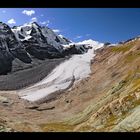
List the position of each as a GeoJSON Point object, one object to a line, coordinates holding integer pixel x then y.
{"type": "Point", "coordinates": [10, 48]}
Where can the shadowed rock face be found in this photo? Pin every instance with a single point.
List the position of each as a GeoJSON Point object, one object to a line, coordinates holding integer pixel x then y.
{"type": "Point", "coordinates": [21, 54]}
{"type": "Point", "coordinates": [5, 62]}
{"type": "Point", "coordinates": [10, 48]}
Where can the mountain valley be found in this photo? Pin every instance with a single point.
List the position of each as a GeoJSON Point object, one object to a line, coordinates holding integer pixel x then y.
{"type": "Point", "coordinates": [50, 84]}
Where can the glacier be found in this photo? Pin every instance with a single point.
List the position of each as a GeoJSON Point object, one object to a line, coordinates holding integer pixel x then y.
{"type": "Point", "coordinates": [68, 72]}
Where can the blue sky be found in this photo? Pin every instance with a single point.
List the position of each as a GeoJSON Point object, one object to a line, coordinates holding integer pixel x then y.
{"type": "Point", "coordinates": [77, 24]}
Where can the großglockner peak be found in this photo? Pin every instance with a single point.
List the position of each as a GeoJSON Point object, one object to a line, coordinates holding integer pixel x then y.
{"type": "Point", "coordinates": [31, 41]}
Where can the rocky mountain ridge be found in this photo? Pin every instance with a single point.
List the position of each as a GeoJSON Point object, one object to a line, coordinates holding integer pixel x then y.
{"type": "Point", "coordinates": [32, 41]}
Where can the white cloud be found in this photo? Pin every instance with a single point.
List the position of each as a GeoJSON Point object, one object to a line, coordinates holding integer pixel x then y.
{"type": "Point", "coordinates": [11, 21]}
{"type": "Point", "coordinates": [3, 11]}
{"type": "Point", "coordinates": [56, 30]}
{"type": "Point", "coordinates": [34, 19]}
{"type": "Point", "coordinates": [45, 22]}
{"type": "Point", "coordinates": [28, 12]}
{"type": "Point", "coordinates": [78, 37]}
{"type": "Point", "coordinates": [61, 36]}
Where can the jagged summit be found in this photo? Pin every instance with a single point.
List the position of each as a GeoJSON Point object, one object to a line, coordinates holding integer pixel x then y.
{"type": "Point", "coordinates": [31, 41]}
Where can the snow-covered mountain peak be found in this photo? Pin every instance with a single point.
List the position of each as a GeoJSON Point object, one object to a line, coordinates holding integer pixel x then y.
{"type": "Point", "coordinates": [91, 43]}
{"type": "Point", "coordinates": [43, 35]}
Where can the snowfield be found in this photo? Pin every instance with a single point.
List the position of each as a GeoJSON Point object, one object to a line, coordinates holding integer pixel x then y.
{"type": "Point", "coordinates": [26, 29]}
{"type": "Point", "coordinates": [63, 76]}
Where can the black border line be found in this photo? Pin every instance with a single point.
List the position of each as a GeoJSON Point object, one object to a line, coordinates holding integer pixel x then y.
{"type": "Point", "coordinates": [69, 3]}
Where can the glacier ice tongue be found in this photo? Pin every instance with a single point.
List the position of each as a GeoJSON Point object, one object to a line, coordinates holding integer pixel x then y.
{"type": "Point", "coordinates": [77, 67]}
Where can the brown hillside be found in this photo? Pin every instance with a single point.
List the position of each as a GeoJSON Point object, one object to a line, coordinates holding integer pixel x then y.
{"type": "Point", "coordinates": [106, 101]}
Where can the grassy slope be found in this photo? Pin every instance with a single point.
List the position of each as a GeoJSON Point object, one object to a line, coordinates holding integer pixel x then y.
{"type": "Point", "coordinates": [116, 100]}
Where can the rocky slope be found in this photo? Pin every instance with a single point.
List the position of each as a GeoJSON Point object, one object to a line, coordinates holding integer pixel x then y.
{"type": "Point", "coordinates": [112, 92]}
{"type": "Point", "coordinates": [109, 99]}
